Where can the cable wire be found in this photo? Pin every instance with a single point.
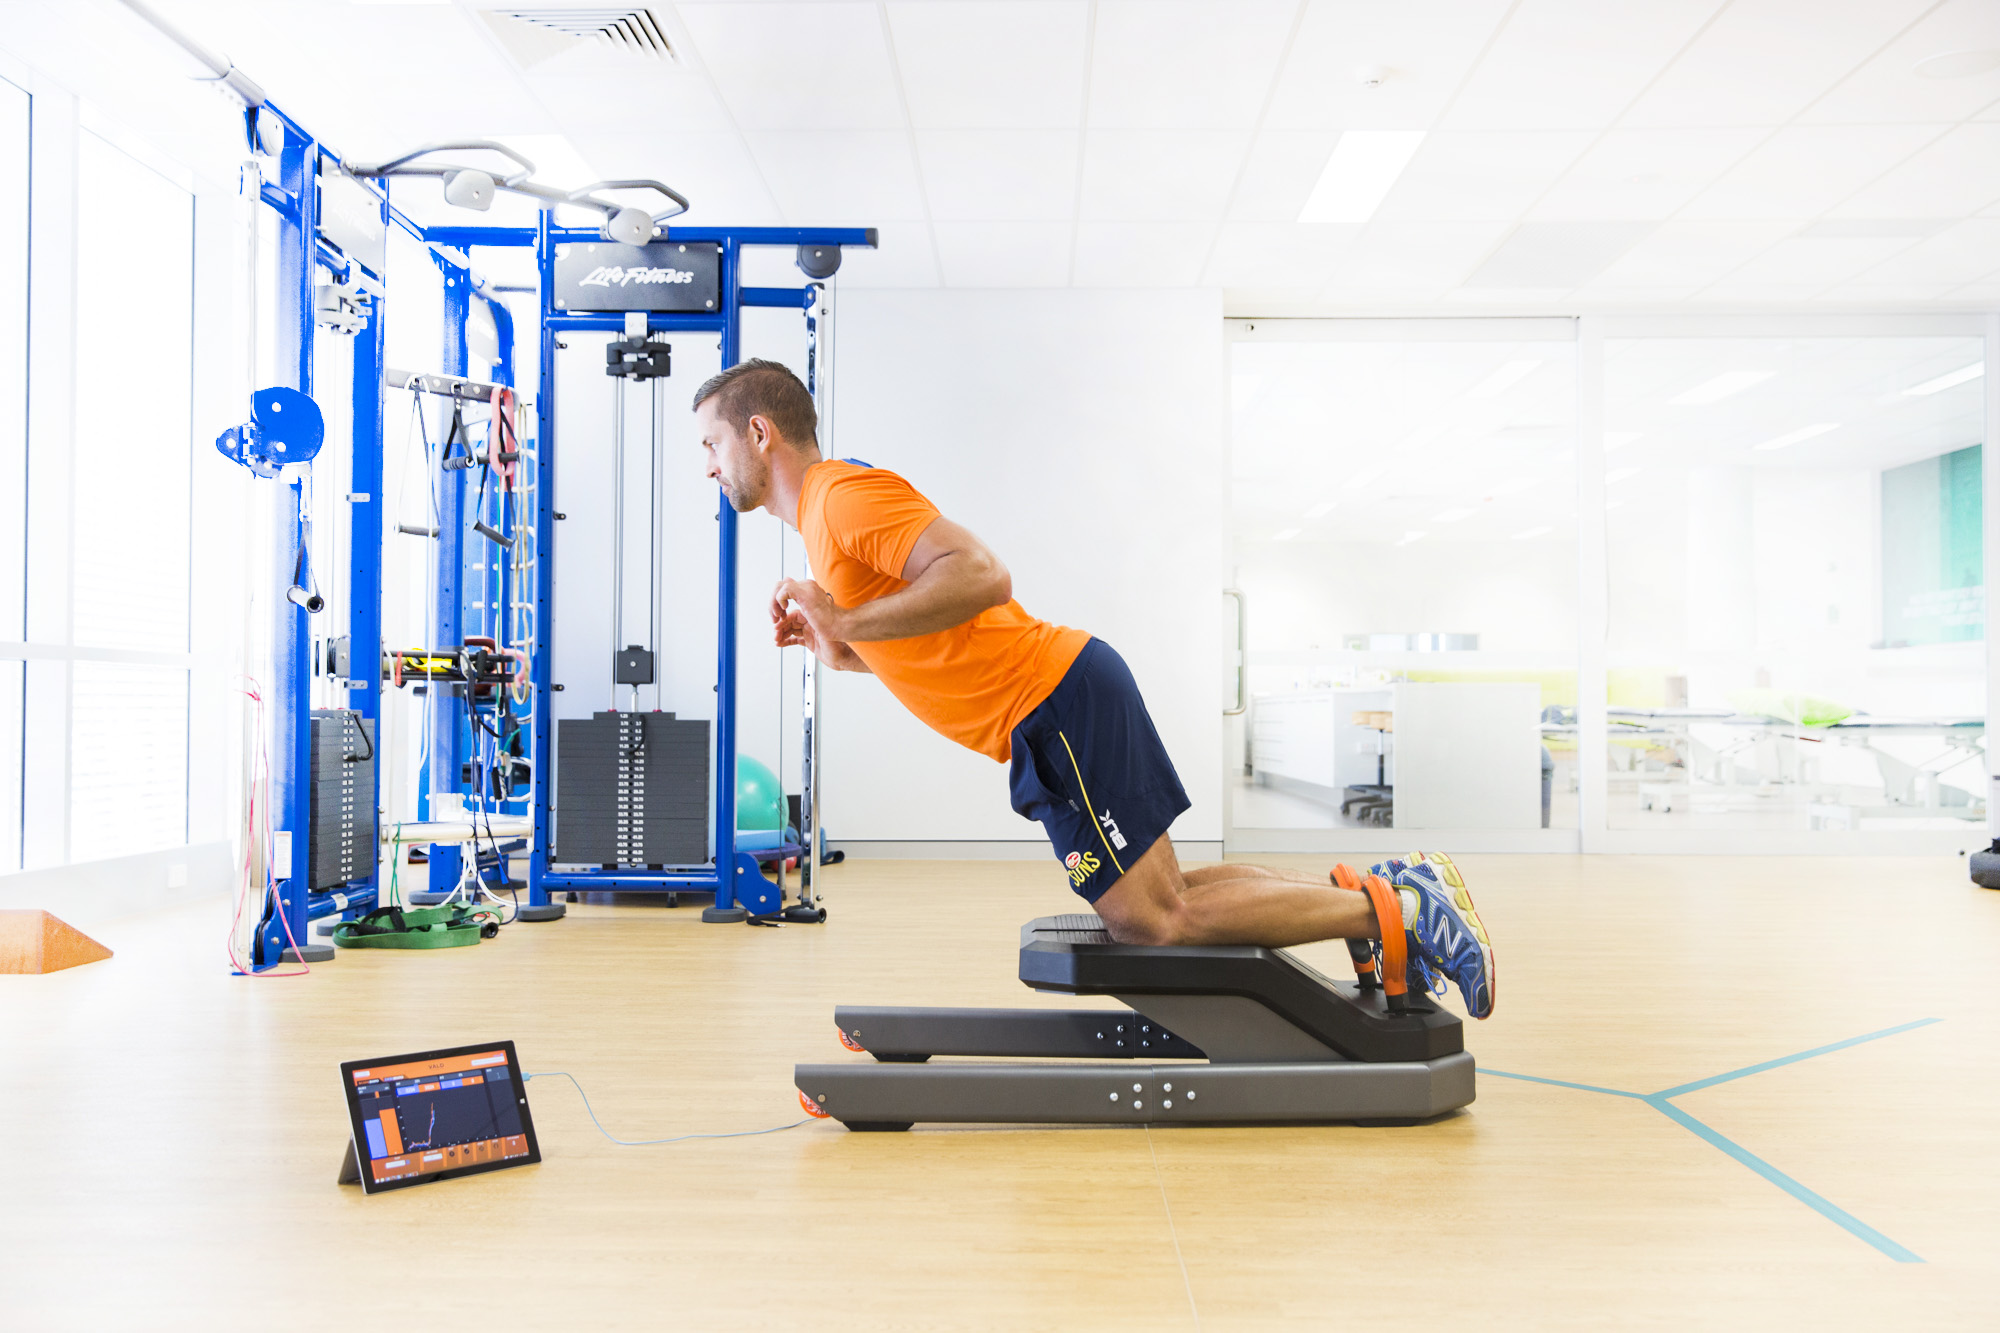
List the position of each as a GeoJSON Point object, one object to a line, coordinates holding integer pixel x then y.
{"type": "Point", "coordinates": [646, 1143]}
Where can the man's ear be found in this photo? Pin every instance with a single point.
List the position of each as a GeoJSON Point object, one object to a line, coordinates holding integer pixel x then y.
{"type": "Point", "coordinates": [761, 437]}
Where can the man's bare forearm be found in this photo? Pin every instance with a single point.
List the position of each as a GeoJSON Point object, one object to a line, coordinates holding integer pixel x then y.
{"type": "Point", "coordinates": [955, 588]}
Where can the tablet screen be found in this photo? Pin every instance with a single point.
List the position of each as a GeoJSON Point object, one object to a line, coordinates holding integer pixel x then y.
{"type": "Point", "coordinates": [438, 1113]}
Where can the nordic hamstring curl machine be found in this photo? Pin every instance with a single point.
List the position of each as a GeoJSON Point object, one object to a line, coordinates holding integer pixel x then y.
{"type": "Point", "coordinates": [1281, 1044]}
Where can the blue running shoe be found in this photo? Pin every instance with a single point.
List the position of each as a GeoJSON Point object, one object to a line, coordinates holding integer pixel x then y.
{"type": "Point", "coordinates": [1447, 940]}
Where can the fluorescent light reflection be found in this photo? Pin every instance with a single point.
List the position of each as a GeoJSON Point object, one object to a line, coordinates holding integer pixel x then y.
{"type": "Point", "coordinates": [1792, 437]}
{"type": "Point", "coordinates": [1322, 509]}
{"type": "Point", "coordinates": [1729, 382]}
{"type": "Point", "coordinates": [1286, 535]}
{"type": "Point", "coordinates": [1503, 379]}
{"type": "Point", "coordinates": [1942, 382]}
{"type": "Point", "coordinates": [1359, 173]}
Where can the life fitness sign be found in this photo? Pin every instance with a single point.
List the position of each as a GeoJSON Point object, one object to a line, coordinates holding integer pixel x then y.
{"type": "Point", "coordinates": [666, 277]}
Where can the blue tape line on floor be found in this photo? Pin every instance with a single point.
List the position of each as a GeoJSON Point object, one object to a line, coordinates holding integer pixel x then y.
{"type": "Point", "coordinates": [1661, 1102]}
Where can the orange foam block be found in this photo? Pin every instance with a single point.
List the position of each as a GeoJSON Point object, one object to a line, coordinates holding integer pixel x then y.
{"type": "Point", "coordinates": [34, 941]}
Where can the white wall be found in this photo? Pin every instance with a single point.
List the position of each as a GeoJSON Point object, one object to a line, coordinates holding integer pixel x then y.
{"type": "Point", "coordinates": [1081, 434]}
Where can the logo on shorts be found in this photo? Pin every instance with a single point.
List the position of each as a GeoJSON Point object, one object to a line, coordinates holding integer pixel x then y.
{"type": "Point", "coordinates": [1081, 866]}
{"type": "Point", "coordinates": [1111, 826]}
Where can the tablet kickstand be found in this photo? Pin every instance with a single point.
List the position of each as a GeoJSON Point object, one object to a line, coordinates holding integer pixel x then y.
{"type": "Point", "coordinates": [350, 1167]}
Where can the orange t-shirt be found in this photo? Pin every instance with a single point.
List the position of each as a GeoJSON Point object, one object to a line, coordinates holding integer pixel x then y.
{"type": "Point", "coordinates": [973, 682]}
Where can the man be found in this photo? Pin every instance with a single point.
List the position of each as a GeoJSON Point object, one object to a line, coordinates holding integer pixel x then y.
{"type": "Point", "coordinates": [923, 604]}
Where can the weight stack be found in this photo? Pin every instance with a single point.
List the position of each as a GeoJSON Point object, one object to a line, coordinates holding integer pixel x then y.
{"type": "Point", "coordinates": [632, 789]}
{"type": "Point", "coordinates": [343, 799]}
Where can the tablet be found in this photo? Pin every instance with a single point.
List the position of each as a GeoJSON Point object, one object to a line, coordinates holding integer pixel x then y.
{"type": "Point", "coordinates": [424, 1117]}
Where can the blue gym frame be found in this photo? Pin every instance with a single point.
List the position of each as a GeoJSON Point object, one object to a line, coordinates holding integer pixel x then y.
{"type": "Point", "coordinates": [733, 877]}
{"type": "Point", "coordinates": [742, 884]}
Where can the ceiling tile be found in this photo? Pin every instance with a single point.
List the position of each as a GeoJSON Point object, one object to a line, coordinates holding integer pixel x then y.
{"type": "Point", "coordinates": [1635, 174]}
{"type": "Point", "coordinates": [1960, 254]}
{"type": "Point", "coordinates": [1868, 294]}
{"type": "Point", "coordinates": [999, 175]}
{"type": "Point", "coordinates": [1279, 174]}
{"type": "Point", "coordinates": [1800, 172]}
{"type": "Point", "coordinates": [1762, 61]}
{"type": "Point", "coordinates": [1888, 89]}
{"type": "Point", "coordinates": [994, 64]}
{"type": "Point", "coordinates": [798, 66]}
{"type": "Point", "coordinates": [839, 177]}
{"type": "Point", "coordinates": [1424, 50]}
{"type": "Point", "coordinates": [1802, 262]}
{"type": "Point", "coordinates": [1141, 254]}
{"type": "Point", "coordinates": [1159, 176]}
{"type": "Point", "coordinates": [1954, 177]}
{"type": "Point", "coordinates": [1004, 254]}
{"type": "Point", "coordinates": [715, 171]}
{"type": "Point", "coordinates": [1555, 255]}
{"type": "Point", "coordinates": [1480, 177]}
{"type": "Point", "coordinates": [1423, 256]}
{"type": "Point", "coordinates": [903, 258]}
{"type": "Point", "coordinates": [1573, 64]}
{"type": "Point", "coordinates": [677, 96]}
{"type": "Point", "coordinates": [1690, 255]}
{"type": "Point", "coordinates": [1185, 64]}
{"type": "Point", "coordinates": [1279, 255]}
{"type": "Point", "coordinates": [1757, 293]}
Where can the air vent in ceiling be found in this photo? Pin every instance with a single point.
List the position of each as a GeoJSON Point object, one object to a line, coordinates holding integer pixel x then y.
{"type": "Point", "coordinates": [633, 30]}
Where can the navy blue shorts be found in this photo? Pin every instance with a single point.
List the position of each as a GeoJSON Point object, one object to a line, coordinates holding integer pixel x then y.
{"type": "Point", "coordinates": [1089, 765]}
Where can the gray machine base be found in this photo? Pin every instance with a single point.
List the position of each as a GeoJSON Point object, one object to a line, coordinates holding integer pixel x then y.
{"type": "Point", "coordinates": [724, 915]}
{"type": "Point", "coordinates": [552, 912]}
{"type": "Point", "coordinates": [309, 953]}
{"type": "Point", "coordinates": [1334, 1091]}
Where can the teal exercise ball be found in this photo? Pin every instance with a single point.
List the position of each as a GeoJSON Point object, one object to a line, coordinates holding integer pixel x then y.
{"type": "Point", "coordinates": [760, 797]}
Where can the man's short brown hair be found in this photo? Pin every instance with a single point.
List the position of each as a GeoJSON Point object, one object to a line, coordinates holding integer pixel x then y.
{"type": "Point", "coordinates": [760, 388]}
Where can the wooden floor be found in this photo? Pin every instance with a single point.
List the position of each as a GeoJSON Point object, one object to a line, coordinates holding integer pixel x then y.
{"type": "Point", "coordinates": [171, 1134]}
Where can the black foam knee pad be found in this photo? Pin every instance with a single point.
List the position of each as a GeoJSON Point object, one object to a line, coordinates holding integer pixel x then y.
{"type": "Point", "coordinates": [1986, 869]}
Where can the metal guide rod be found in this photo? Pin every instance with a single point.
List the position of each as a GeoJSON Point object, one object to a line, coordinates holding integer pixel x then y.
{"type": "Point", "coordinates": [655, 491]}
{"type": "Point", "coordinates": [448, 386]}
{"type": "Point", "coordinates": [618, 536]}
{"type": "Point", "coordinates": [820, 330]}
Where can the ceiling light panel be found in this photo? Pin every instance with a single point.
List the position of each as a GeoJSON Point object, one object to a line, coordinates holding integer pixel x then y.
{"type": "Point", "coordinates": [1761, 62]}
{"type": "Point", "coordinates": [1481, 177]}
{"type": "Point", "coordinates": [1803, 171]}
{"type": "Point", "coordinates": [1427, 50]}
{"type": "Point", "coordinates": [1278, 175]}
{"type": "Point", "coordinates": [992, 64]}
{"type": "Point", "coordinates": [1889, 89]}
{"type": "Point", "coordinates": [999, 175]}
{"type": "Point", "coordinates": [1159, 176]}
{"type": "Point", "coordinates": [1359, 173]}
{"type": "Point", "coordinates": [1184, 64]}
{"type": "Point", "coordinates": [1573, 64]}
{"type": "Point", "coordinates": [798, 66]}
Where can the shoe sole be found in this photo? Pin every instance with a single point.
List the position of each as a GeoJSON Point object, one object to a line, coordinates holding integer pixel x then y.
{"type": "Point", "coordinates": [1461, 898]}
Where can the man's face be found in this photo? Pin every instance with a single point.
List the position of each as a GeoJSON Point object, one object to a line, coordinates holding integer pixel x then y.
{"type": "Point", "coordinates": [734, 462]}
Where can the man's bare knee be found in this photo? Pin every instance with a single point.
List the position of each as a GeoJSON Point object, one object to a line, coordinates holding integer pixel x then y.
{"type": "Point", "coordinates": [1156, 927]}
